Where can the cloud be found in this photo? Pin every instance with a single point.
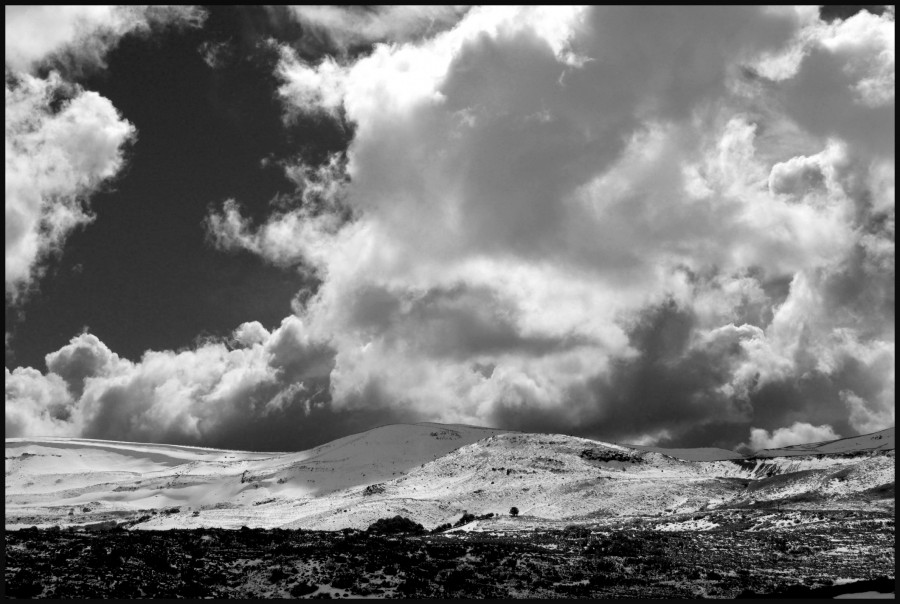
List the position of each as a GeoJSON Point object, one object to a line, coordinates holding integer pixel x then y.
{"type": "Point", "coordinates": [572, 220]}
{"type": "Point", "coordinates": [258, 386]}
{"type": "Point", "coordinates": [37, 404]}
{"type": "Point", "coordinates": [57, 155]}
{"type": "Point", "coordinates": [647, 244]}
{"type": "Point", "coordinates": [63, 143]}
{"type": "Point", "coordinates": [796, 434]}
{"type": "Point", "coordinates": [293, 236]}
{"type": "Point", "coordinates": [343, 27]}
{"type": "Point", "coordinates": [843, 80]}
{"type": "Point", "coordinates": [866, 417]}
{"type": "Point", "coordinates": [82, 35]}
{"type": "Point", "coordinates": [84, 357]}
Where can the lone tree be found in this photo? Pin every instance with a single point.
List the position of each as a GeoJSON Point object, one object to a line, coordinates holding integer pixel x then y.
{"type": "Point", "coordinates": [514, 511]}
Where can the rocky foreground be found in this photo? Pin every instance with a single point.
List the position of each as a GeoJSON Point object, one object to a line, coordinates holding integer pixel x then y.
{"type": "Point", "coordinates": [723, 554]}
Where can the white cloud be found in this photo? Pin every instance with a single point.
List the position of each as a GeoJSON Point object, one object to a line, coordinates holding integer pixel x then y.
{"type": "Point", "coordinates": [866, 417]}
{"type": "Point", "coordinates": [208, 394]}
{"type": "Point", "coordinates": [548, 178]}
{"type": "Point", "coordinates": [57, 157]}
{"type": "Point", "coordinates": [54, 161]}
{"type": "Point", "coordinates": [37, 404]}
{"type": "Point", "coordinates": [250, 333]}
{"type": "Point", "coordinates": [344, 26]}
{"type": "Point", "coordinates": [843, 83]}
{"type": "Point", "coordinates": [293, 236]}
{"type": "Point", "coordinates": [798, 433]}
{"type": "Point", "coordinates": [568, 219]}
{"type": "Point", "coordinates": [87, 33]}
{"type": "Point", "coordinates": [865, 44]}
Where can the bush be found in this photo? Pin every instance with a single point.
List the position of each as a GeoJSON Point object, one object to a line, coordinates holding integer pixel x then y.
{"type": "Point", "coordinates": [277, 575]}
{"type": "Point", "coordinates": [514, 511]}
{"type": "Point", "coordinates": [395, 526]}
{"type": "Point", "coordinates": [374, 489]}
{"type": "Point", "coordinates": [302, 589]}
{"type": "Point", "coordinates": [465, 519]}
{"type": "Point", "coordinates": [343, 581]}
{"type": "Point", "coordinates": [442, 528]}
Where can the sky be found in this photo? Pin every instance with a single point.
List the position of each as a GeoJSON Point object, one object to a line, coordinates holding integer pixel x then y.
{"type": "Point", "coordinates": [265, 228]}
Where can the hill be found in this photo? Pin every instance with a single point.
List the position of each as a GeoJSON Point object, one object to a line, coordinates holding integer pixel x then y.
{"type": "Point", "coordinates": [428, 472]}
{"type": "Point", "coordinates": [877, 441]}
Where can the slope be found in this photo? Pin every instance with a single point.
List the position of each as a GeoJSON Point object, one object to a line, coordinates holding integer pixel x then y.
{"type": "Point", "coordinates": [877, 441]}
{"type": "Point", "coordinates": [428, 472]}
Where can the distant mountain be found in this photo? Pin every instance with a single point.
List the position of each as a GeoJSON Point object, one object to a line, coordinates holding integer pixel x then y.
{"type": "Point", "coordinates": [877, 441]}
{"type": "Point", "coordinates": [428, 472]}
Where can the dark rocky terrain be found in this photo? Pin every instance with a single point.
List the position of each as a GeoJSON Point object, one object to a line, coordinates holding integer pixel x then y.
{"type": "Point", "coordinates": [745, 553]}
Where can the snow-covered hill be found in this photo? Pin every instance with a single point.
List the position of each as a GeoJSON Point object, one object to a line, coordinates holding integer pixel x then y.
{"type": "Point", "coordinates": [698, 454]}
{"type": "Point", "coordinates": [428, 472]}
{"type": "Point", "coordinates": [877, 441]}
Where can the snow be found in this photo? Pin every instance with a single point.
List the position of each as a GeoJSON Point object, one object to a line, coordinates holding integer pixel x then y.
{"type": "Point", "coordinates": [699, 454]}
{"type": "Point", "coordinates": [688, 525]}
{"type": "Point", "coordinates": [430, 473]}
{"type": "Point", "coordinates": [877, 441]}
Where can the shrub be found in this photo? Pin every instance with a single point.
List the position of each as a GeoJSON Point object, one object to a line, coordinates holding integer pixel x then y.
{"type": "Point", "coordinates": [343, 581]}
{"type": "Point", "coordinates": [395, 526]}
{"type": "Point", "coordinates": [465, 519]}
{"type": "Point", "coordinates": [302, 589]}
{"type": "Point", "coordinates": [277, 575]}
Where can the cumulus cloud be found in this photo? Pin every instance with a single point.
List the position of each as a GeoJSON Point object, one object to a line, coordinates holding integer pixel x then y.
{"type": "Point", "coordinates": [610, 221]}
{"type": "Point", "coordinates": [55, 159]}
{"type": "Point", "coordinates": [37, 404]}
{"type": "Point", "coordinates": [842, 81]}
{"type": "Point", "coordinates": [643, 235]}
{"type": "Point", "coordinates": [256, 386]}
{"type": "Point", "coordinates": [62, 142]}
{"type": "Point", "coordinates": [796, 434]}
{"type": "Point", "coordinates": [295, 235]}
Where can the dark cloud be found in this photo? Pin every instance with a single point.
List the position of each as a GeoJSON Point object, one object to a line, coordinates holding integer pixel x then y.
{"type": "Point", "coordinates": [669, 387]}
